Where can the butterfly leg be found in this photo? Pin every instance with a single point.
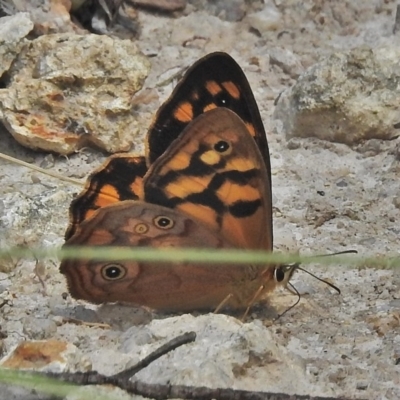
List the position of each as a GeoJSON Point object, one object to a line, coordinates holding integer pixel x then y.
{"type": "Point", "coordinates": [252, 301]}
{"type": "Point", "coordinates": [223, 303]}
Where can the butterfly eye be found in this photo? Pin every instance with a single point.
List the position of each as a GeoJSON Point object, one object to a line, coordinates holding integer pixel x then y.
{"type": "Point", "coordinates": [113, 272]}
{"type": "Point", "coordinates": [141, 228]}
{"type": "Point", "coordinates": [223, 147]}
{"type": "Point", "coordinates": [163, 222]}
{"type": "Point", "coordinates": [279, 274]}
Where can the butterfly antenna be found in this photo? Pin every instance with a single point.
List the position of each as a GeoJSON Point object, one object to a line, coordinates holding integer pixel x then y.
{"type": "Point", "coordinates": [328, 255]}
{"type": "Point", "coordinates": [284, 273]}
{"type": "Point", "coordinates": [338, 253]}
{"type": "Point", "coordinates": [320, 279]}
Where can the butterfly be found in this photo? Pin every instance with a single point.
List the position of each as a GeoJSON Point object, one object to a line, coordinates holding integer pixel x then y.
{"type": "Point", "coordinates": [215, 80]}
{"type": "Point", "coordinates": [205, 182]}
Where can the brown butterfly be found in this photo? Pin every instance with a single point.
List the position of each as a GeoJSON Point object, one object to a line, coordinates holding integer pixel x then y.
{"type": "Point", "coordinates": [207, 185]}
{"type": "Point", "coordinates": [212, 191]}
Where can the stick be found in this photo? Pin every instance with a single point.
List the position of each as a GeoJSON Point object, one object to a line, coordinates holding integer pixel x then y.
{"type": "Point", "coordinates": [187, 337]}
{"type": "Point", "coordinates": [396, 26]}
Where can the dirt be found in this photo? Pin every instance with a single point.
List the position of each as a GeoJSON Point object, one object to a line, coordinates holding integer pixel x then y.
{"type": "Point", "coordinates": [327, 197]}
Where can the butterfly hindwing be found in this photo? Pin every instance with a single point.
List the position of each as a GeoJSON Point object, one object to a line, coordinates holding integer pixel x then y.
{"type": "Point", "coordinates": [163, 286]}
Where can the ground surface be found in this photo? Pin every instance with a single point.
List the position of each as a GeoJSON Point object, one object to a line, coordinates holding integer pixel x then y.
{"type": "Point", "coordinates": [328, 197]}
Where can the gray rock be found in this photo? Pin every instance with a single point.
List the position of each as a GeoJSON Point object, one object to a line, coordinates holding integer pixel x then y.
{"type": "Point", "coordinates": [348, 97]}
{"type": "Point", "coordinates": [226, 353]}
{"type": "Point", "coordinates": [267, 20]}
{"type": "Point", "coordinates": [286, 60]}
{"type": "Point", "coordinates": [39, 328]}
{"type": "Point", "coordinates": [69, 90]}
{"type": "Point", "coordinates": [228, 10]}
{"type": "Point", "coordinates": [13, 31]}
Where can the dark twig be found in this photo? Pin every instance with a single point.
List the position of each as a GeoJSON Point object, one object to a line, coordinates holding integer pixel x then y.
{"type": "Point", "coordinates": [396, 26]}
{"type": "Point", "coordinates": [187, 337]}
{"type": "Point", "coordinates": [166, 391]}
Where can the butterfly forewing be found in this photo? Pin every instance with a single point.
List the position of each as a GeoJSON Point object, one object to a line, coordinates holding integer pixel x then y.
{"type": "Point", "coordinates": [215, 80]}
{"type": "Point", "coordinates": [215, 173]}
{"type": "Point", "coordinates": [119, 178]}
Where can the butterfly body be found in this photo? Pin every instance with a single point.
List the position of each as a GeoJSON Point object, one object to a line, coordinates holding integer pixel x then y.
{"type": "Point", "coordinates": [206, 183]}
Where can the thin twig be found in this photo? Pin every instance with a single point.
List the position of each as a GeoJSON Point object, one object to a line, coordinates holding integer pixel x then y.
{"type": "Point", "coordinates": [187, 337]}
{"type": "Point", "coordinates": [42, 170]}
{"type": "Point", "coordinates": [396, 26]}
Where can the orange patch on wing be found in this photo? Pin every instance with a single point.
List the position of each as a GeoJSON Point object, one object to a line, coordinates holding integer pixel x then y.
{"type": "Point", "coordinates": [108, 195]}
{"type": "Point", "coordinates": [248, 232]}
{"type": "Point", "coordinates": [230, 193]}
{"type": "Point", "coordinates": [184, 112]}
{"type": "Point", "coordinates": [201, 213]}
{"type": "Point", "coordinates": [250, 128]}
{"type": "Point", "coordinates": [184, 186]}
{"type": "Point", "coordinates": [213, 88]}
{"type": "Point", "coordinates": [232, 89]}
{"type": "Point", "coordinates": [210, 157]}
{"type": "Point", "coordinates": [209, 107]}
{"type": "Point", "coordinates": [90, 212]}
{"type": "Point", "coordinates": [100, 237]}
{"type": "Point", "coordinates": [137, 187]}
{"type": "Point", "coordinates": [178, 162]}
{"type": "Point", "coordinates": [241, 164]}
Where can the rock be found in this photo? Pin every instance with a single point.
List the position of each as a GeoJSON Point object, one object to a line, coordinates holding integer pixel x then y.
{"type": "Point", "coordinates": [347, 98]}
{"type": "Point", "coordinates": [227, 353]}
{"type": "Point", "coordinates": [48, 16]}
{"type": "Point", "coordinates": [287, 61]}
{"type": "Point", "coordinates": [197, 29]}
{"type": "Point", "coordinates": [228, 10]}
{"type": "Point", "coordinates": [67, 91]}
{"type": "Point", "coordinates": [267, 20]}
{"type": "Point", "coordinates": [47, 355]}
{"type": "Point", "coordinates": [101, 392]}
{"type": "Point", "coordinates": [13, 31]}
{"type": "Point", "coordinates": [5, 283]}
{"type": "Point", "coordinates": [39, 328]}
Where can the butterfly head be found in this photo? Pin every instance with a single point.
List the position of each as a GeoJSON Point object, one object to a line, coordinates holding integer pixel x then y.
{"type": "Point", "coordinates": [284, 273]}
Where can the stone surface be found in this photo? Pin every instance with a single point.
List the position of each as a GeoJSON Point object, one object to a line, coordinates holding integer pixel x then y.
{"type": "Point", "coordinates": [229, 354]}
{"type": "Point", "coordinates": [228, 10]}
{"type": "Point", "coordinates": [46, 356]}
{"type": "Point", "coordinates": [48, 16]}
{"type": "Point", "coordinates": [346, 345]}
{"type": "Point", "coordinates": [348, 97]}
{"type": "Point", "coordinates": [286, 60]}
{"type": "Point", "coordinates": [13, 31]}
{"type": "Point", "coordinates": [266, 20]}
{"type": "Point", "coordinates": [67, 91]}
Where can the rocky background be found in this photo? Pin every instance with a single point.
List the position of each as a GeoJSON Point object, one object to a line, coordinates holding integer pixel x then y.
{"type": "Point", "coordinates": [81, 79]}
